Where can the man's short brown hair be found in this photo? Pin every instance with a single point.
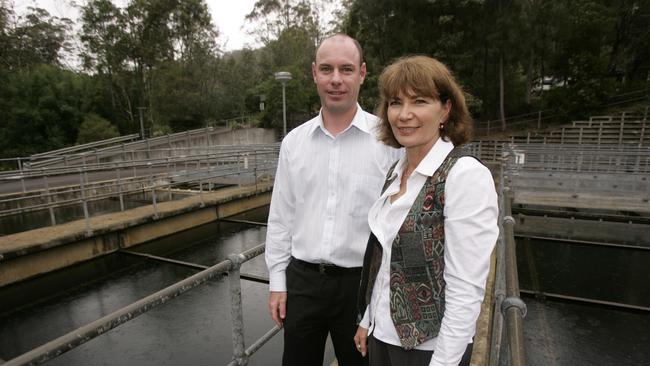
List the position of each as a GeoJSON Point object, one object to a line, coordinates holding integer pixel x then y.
{"type": "Point", "coordinates": [356, 44]}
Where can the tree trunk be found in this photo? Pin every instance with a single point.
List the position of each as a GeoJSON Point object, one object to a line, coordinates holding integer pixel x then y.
{"type": "Point", "coordinates": [502, 94]}
{"type": "Point", "coordinates": [529, 77]}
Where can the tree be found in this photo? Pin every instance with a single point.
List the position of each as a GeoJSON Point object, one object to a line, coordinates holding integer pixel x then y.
{"type": "Point", "coordinates": [47, 105]}
{"type": "Point", "coordinates": [95, 128]}
{"type": "Point", "coordinates": [35, 38]}
{"type": "Point", "coordinates": [290, 32]}
{"type": "Point", "coordinates": [133, 49]}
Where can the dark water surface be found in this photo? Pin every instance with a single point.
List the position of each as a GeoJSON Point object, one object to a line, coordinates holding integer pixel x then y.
{"type": "Point", "coordinates": [566, 333]}
{"type": "Point", "coordinates": [192, 329]}
{"type": "Point", "coordinates": [195, 328]}
{"type": "Point", "coordinates": [559, 332]}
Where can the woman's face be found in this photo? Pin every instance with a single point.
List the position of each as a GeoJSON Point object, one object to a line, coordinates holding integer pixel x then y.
{"type": "Point", "coordinates": [415, 119]}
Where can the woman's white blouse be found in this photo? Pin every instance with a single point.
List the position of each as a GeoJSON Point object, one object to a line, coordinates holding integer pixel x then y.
{"type": "Point", "coordinates": [471, 232]}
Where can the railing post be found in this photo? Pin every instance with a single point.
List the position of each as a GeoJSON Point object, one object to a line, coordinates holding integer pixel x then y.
{"type": "Point", "coordinates": [84, 203]}
{"type": "Point", "coordinates": [580, 136]}
{"type": "Point", "coordinates": [49, 201]}
{"type": "Point", "coordinates": [620, 130]}
{"type": "Point", "coordinates": [148, 148]}
{"type": "Point", "coordinates": [539, 120]}
{"type": "Point", "coordinates": [236, 312]}
{"type": "Point", "coordinates": [119, 188]}
{"type": "Point", "coordinates": [239, 170]}
{"type": "Point", "coordinates": [22, 175]}
{"type": "Point", "coordinates": [153, 197]}
{"type": "Point", "coordinates": [201, 192]}
{"type": "Point", "coordinates": [133, 163]}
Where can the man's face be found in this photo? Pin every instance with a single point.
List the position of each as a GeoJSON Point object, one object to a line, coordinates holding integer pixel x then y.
{"type": "Point", "coordinates": [337, 75]}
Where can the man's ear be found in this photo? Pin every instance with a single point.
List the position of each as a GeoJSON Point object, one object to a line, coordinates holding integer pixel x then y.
{"type": "Point", "coordinates": [362, 72]}
{"type": "Point", "coordinates": [313, 71]}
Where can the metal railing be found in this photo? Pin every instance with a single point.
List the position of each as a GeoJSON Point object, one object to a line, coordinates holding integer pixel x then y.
{"type": "Point", "coordinates": [99, 160]}
{"type": "Point", "coordinates": [46, 159]}
{"type": "Point", "coordinates": [87, 146]}
{"type": "Point", "coordinates": [580, 158]}
{"type": "Point", "coordinates": [509, 309]}
{"type": "Point", "coordinates": [230, 266]}
{"type": "Point", "coordinates": [536, 119]}
{"type": "Point", "coordinates": [200, 171]}
{"type": "Point", "coordinates": [622, 130]}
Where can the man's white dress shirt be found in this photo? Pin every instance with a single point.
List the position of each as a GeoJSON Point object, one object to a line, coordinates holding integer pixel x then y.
{"type": "Point", "coordinates": [471, 231]}
{"type": "Point", "coordinates": [324, 187]}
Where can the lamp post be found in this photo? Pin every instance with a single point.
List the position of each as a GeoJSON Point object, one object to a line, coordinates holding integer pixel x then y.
{"type": "Point", "coordinates": [141, 113]}
{"type": "Point", "coordinates": [283, 77]}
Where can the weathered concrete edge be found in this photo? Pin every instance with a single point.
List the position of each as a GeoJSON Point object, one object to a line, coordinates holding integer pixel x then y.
{"type": "Point", "coordinates": [483, 337]}
{"type": "Point", "coordinates": [80, 248]}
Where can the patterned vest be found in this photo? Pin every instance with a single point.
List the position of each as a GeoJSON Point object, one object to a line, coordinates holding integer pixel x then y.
{"type": "Point", "coordinates": [417, 285]}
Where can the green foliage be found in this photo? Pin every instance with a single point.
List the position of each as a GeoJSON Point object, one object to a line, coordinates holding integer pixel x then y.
{"type": "Point", "coordinates": [148, 54]}
{"type": "Point", "coordinates": [290, 31]}
{"type": "Point", "coordinates": [35, 38]}
{"type": "Point", "coordinates": [593, 43]}
{"type": "Point", "coordinates": [95, 128]}
{"type": "Point", "coordinates": [161, 59]}
{"type": "Point", "coordinates": [43, 110]}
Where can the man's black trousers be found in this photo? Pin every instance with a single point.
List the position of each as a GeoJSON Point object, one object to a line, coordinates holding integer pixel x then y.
{"type": "Point", "coordinates": [320, 302]}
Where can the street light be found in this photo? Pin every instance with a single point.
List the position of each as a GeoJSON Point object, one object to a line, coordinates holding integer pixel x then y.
{"type": "Point", "coordinates": [283, 77]}
{"type": "Point", "coordinates": [141, 113]}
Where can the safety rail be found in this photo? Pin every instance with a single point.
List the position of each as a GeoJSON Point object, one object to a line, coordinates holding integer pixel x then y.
{"type": "Point", "coordinates": [537, 119]}
{"type": "Point", "coordinates": [624, 130]}
{"type": "Point", "coordinates": [87, 146]}
{"type": "Point", "coordinates": [217, 157]}
{"type": "Point", "coordinates": [509, 309]}
{"type": "Point", "coordinates": [230, 266]}
{"type": "Point", "coordinates": [146, 144]}
{"type": "Point", "coordinates": [580, 158]}
{"type": "Point", "coordinates": [204, 174]}
{"type": "Point", "coordinates": [95, 160]}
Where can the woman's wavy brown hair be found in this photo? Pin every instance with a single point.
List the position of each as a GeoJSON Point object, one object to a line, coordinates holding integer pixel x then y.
{"type": "Point", "coordinates": [427, 77]}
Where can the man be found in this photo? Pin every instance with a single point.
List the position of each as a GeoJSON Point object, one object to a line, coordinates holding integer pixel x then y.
{"type": "Point", "coordinates": [330, 171]}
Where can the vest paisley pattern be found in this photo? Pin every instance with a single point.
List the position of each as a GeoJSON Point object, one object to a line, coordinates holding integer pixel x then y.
{"type": "Point", "coordinates": [417, 284]}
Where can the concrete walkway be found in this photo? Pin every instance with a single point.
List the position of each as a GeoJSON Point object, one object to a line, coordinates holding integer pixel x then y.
{"type": "Point", "coordinates": [34, 252]}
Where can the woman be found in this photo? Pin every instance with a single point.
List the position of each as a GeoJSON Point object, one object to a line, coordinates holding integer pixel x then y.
{"type": "Point", "coordinates": [433, 227]}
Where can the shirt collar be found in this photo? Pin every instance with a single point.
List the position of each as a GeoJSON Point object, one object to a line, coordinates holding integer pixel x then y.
{"type": "Point", "coordinates": [431, 161]}
{"type": "Point", "coordinates": [359, 121]}
{"type": "Point", "coordinates": [435, 157]}
{"type": "Point", "coordinates": [427, 166]}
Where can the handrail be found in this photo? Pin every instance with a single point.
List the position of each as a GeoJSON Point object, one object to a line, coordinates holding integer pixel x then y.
{"type": "Point", "coordinates": [539, 116]}
{"type": "Point", "coordinates": [100, 326]}
{"type": "Point", "coordinates": [579, 158]}
{"type": "Point", "coordinates": [252, 164]}
{"type": "Point", "coordinates": [509, 308]}
{"type": "Point", "coordinates": [89, 145]}
{"type": "Point", "coordinates": [167, 156]}
{"type": "Point", "coordinates": [499, 282]}
{"type": "Point", "coordinates": [512, 307]}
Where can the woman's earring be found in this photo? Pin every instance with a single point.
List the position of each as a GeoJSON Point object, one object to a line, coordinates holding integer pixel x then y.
{"type": "Point", "coordinates": [442, 126]}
